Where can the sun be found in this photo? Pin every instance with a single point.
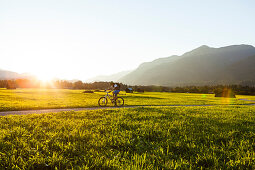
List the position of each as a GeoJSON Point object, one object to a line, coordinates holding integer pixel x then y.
{"type": "Point", "coordinates": [44, 77]}
{"type": "Point", "coordinates": [46, 80]}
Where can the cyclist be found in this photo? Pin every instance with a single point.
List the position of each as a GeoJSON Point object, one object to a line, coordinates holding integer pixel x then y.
{"type": "Point", "coordinates": [116, 89]}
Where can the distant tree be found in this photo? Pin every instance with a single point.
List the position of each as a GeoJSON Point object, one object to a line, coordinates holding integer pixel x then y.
{"type": "Point", "coordinates": [10, 84]}
{"type": "Point", "coordinates": [78, 85]}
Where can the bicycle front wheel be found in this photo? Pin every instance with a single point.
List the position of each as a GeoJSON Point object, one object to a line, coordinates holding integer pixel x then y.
{"type": "Point", "coordinates": [119, 101]}
{"type": "Point", "coordinates": [102, 101]}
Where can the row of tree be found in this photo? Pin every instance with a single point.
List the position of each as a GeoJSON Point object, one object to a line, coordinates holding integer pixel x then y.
{"type": "Point", "coordinates": [62, 84]}
{"type": "Point", "coordinates": [237, 89]}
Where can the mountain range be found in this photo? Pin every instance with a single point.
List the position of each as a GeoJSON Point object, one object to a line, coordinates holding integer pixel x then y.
{"type": "Point", "coordinates": [10, 75]}
{"type": "Point", "coordinates": [201, 66]}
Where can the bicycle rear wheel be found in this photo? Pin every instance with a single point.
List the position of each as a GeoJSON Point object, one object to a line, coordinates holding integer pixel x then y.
{"type": "Point", "coordinates": [119, 101]}
{"type": "Point", "coordinates": [102, 101]}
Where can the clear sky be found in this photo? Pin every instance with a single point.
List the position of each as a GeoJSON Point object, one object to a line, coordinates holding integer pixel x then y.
{"type": "Point", "coordinates": [79, 39]}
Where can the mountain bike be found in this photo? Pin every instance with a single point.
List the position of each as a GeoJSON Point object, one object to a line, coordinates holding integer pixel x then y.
{"type": "Point", "coordinates": [118, 101]}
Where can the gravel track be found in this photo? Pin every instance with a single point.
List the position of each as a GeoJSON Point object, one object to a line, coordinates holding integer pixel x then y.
{"type": "Point", "coordinates": [25, 112]}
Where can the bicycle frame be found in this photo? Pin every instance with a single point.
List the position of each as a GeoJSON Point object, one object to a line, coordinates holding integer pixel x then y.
{"type": "Point", "coordinates": [109, 96]}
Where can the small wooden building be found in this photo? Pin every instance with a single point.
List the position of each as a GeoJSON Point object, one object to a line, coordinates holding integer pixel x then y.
{"type": "Point", "coordinates": [129, 90]}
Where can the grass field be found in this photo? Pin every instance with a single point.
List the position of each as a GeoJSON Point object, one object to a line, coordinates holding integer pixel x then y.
{"type": "Point", "coordinates": [24, 99]}
{"type": "Point", "coordinates": [214, 137]}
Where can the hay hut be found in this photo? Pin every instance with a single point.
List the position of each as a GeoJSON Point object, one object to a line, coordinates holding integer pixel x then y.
{"type": "Point", "coordinates": [129, 90]}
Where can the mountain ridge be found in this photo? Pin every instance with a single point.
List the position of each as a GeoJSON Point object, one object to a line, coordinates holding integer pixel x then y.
{"type": "Point", "coordinates": [198, 66]}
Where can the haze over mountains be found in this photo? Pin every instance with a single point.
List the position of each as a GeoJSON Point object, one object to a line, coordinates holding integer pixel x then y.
{"type": "Point", "coordinates": [113, 77]}
{"type": "Point", "coordinates": [202, 66]}
{"type": "Point", "coordinates": [4, 75]}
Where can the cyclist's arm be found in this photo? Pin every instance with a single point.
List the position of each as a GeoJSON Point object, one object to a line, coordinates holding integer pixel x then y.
{"type": "Point", "coordinates": [110, 89]}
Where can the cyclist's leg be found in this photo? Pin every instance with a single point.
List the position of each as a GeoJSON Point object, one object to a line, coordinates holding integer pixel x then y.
{"type": "Point", "coordinates": [114, 94]}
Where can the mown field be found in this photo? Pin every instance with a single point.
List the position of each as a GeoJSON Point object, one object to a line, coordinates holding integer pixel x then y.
{"type": "Point", "coordinates": [24, 99]}
{"type": "Point", "coordinates": [213, 137]}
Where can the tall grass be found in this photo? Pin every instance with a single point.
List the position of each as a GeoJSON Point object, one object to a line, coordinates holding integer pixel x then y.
{"type": "Point", "coordinates": [138, 138]}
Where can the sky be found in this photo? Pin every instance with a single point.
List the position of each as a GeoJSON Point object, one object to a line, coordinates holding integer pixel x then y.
{"type": "Point", "coordinates": [80, 39]}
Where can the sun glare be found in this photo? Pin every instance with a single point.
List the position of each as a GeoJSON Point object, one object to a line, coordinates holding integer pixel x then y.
{"type": "Point", "coordinates": [44, 77]}
{"type": "Point", "coordinates": [46, 80]}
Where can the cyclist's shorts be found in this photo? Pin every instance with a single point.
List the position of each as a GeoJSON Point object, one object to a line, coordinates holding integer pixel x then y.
{"type": "Point", "coordinates": [116, 91]}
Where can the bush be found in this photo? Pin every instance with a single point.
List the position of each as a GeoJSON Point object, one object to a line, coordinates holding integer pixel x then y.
{"type": "Point", "coordinates": [140, 90]}
{"type": "Point", "coordinates": [228, 93]}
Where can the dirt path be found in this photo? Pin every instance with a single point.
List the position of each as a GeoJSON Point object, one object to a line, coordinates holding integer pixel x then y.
{"type": "Point", "coordinates": [24, 112]}
{"type": "Point", "coordinates": [247, 100]}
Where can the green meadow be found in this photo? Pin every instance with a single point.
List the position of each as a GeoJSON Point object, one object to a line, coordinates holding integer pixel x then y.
{"type": "Point", "coordinates": [219, 136]}
{"type": "Point", "coordinates": [212, 137]}
{"type": "Point", "coordinates": [24, 99]}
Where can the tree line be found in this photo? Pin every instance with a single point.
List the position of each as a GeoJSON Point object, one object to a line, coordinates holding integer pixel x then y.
{"type": "Point", "coordinates": [63, 84]}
